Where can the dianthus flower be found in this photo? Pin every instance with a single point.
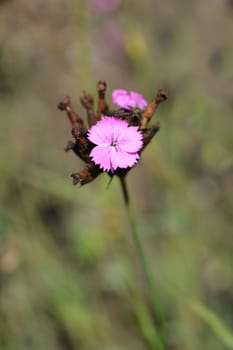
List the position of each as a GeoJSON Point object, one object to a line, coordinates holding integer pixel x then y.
{"type": "Point", "coordinates": [128, 99]}
{"type": "Point", "coordinates": [115, 139]}
{"type": "Point", "coordinates": [117, 143]}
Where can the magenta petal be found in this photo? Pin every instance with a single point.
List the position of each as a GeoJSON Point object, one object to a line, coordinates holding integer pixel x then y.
{"type": "Point", "coordinates": [122, 159]}
{"type": "Point", "coordinates": [107, 130]}
{"type": "Point", "coordinates": [119, 129]}
{"type": "Point", "coordinates": [101, 132]}
{"type": "Point", "coordinates": [119, 93]}
{"type": "Point", "coordinates": [128, 99]}
{"type": "Point", "coordinates": [97, 135]}
{"type": "Point", "coordinates": [121, 98]}
{"type": "Point", "coordinates": [132, 140]}
{"type": "Point", "coordinates": [101, 156]}
{"type": "Point", "coordinates": [138, 99]}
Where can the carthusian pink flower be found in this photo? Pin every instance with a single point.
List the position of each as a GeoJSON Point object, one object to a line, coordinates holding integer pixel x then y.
{"type": "Point", "coordinates": [128, 99]}
{"type": "Point", "coordinates": [110, 140]}
{"type": "Point", "coordinates": [117, 144]}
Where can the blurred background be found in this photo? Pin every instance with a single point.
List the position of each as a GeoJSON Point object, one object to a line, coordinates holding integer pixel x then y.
{"type": "Point", "coordinates": [69, 274]}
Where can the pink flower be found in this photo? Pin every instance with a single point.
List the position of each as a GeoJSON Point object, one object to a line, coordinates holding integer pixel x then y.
{"type": "Point", "coordinates": [117, 144]}
{"type": "Point", "coordinates": [128, 99]}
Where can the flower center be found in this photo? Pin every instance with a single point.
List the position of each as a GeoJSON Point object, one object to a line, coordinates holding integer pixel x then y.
{"type": "Point", "coordinates": [114, 143]}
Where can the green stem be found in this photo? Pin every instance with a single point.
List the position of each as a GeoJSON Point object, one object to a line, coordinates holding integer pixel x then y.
{"type": "Point", "coordinates": [142, 256]}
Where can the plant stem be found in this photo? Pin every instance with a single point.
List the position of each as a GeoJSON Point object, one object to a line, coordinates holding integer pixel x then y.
{"type": "Point", "coordinates": [142, 256]}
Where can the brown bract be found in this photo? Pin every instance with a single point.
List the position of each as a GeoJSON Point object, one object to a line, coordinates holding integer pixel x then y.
{"type": "Point", "coordinates": [82, 147]}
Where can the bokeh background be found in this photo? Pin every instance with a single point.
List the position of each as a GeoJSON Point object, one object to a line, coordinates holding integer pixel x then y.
{"type": "Point", "coordinates": [69, 275]}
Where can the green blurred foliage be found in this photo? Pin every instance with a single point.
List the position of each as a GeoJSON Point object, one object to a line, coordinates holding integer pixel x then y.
{"type": "Point", "coordinates": [70, 278]}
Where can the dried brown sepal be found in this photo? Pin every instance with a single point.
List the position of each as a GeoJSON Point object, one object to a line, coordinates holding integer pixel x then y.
{"type": "Point", "coordinates": [162, 96]}
{"type": "Point", "coordinates": [87, 102]}
{"type": "Point", "coordinates": [88, 174]}
{"type": "Point", "coordinates": [135, 117]}
{"type": "Point", "coordinates": [70, 146]}
{"type": "Point", "coordinates": [149, 133]}
{"type": "Point", "coordinates": [102, 104]}
{"type": "Point", "coordinates": [150, 110]}
{"type": "Point", "coordinates": [81, 147]}
{"type": "Point", "coordinates": [75, 120]}
{"type": "Point", "coordinates": [132, 116]}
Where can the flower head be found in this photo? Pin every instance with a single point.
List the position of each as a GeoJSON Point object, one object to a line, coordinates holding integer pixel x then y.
{"type": "Point", "coordinates": [128, 99]}
{"type": "Point", "coordinates": [117, 144]}
{"type": "Point", "coordinates": [113, 141]}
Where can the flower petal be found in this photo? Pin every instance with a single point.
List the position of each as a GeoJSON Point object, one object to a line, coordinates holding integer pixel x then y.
{"type": "Point", "coordinates": [119, 128]}
{"type": "Point", "coordinates": [122, 159]}
{"type": "Point", "coordinates": [128, 99]}
{"type": "Point", "coordinates": [132, 141]}
{"type": "Point", "coordinates": [138, 100]}
{"type": "Point", "coordinates": [101, 132]}
{"type": "Point", "coordinates": [101, 156]}
{"type": "Point", "coordinates": [120, 97]}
